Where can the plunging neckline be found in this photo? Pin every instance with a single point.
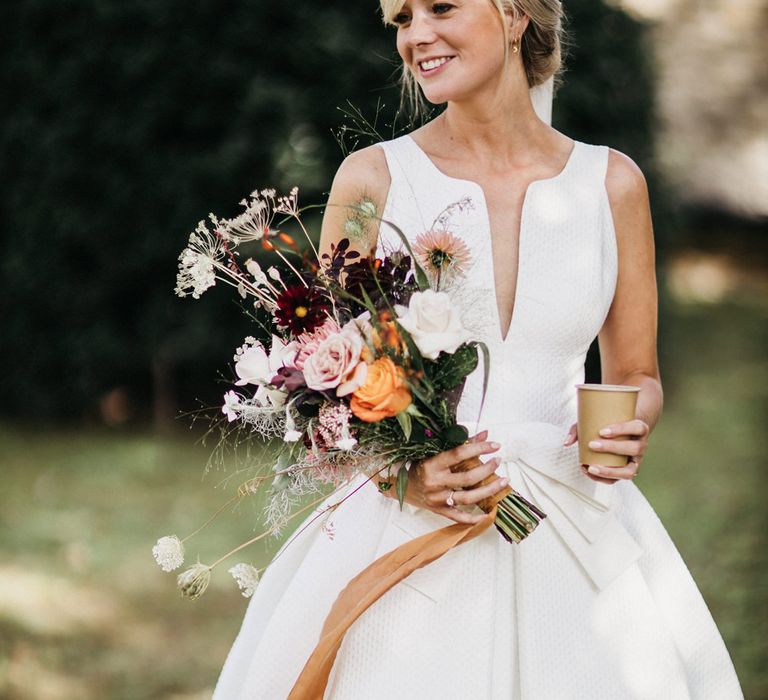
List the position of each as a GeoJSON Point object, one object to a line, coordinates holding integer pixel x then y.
{"type": "Point", "coordinates": [502, 337]}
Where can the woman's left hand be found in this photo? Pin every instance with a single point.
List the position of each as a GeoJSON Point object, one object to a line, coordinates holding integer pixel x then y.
{"type": "Point", "coordinates": [630, 438]}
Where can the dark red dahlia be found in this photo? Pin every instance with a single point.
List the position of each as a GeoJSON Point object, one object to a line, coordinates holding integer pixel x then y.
{"type": "Point", "coordinates": [301, 309]}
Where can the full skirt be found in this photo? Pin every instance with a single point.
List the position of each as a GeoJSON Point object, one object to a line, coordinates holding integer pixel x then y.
{"type": "Point", "coordinates": [488, 621]}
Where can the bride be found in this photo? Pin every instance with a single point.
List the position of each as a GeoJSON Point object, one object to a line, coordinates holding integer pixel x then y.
{"type": "Point", "coordinates": [596, 603]}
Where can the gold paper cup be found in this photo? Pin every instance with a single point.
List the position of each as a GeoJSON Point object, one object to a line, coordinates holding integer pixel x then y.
{"type": "Point", "coordinates": [600, 405]}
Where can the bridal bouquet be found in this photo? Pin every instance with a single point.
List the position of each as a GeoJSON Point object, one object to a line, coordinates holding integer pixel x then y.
{"type": "Point", "coordinates": [355, 365]}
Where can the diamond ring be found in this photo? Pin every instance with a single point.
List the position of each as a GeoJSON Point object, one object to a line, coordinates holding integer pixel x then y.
{"type": "Point", "coordinates": [449, 501]}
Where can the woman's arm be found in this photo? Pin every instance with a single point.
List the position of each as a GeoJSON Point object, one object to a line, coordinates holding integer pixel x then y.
{"type": "Point", "coordinates": [627, 340]}
{"type": "Point", "coordinates": [363, 173]}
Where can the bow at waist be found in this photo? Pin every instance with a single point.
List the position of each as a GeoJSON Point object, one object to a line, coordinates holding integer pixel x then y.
{"type": "Point", "coordinates": [581, 510]}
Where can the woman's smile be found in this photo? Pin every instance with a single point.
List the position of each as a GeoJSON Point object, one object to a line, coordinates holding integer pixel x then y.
{"type": "Point", "coordinates": [432, 66]}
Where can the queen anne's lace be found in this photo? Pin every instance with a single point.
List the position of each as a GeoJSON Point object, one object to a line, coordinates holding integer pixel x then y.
{"type": "Point", "coordinates": [197, 262]}
{"type": "Point", "coordinates": [247, 578]}
{"type": "Point", "coordinates": [254, 223]}
{"type": "Point", "coordinates": [169, 553]}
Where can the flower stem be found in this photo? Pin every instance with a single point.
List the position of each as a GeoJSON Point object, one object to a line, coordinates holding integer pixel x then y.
{"type": "Point", "coordinates": [266, 533]}
{"type": "Point", "coordinates": [236, 497]}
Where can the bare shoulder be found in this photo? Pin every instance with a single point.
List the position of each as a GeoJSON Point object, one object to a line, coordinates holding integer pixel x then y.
{"type": "Point", "coordinates": [363, 175]}
{"type": "Point", "coordinates": [363, 172]}
{"type": "Point", "coordinates": [624, 180]}
{"type": "Point", "coordinates": [627, 191]}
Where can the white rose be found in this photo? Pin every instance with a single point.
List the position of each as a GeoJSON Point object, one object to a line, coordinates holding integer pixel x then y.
{"type": "Point", "coordinates": [433, 323]}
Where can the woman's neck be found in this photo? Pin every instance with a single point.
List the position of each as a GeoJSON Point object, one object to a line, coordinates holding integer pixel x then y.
{"type": "Point", "coordinates": [498, 133]}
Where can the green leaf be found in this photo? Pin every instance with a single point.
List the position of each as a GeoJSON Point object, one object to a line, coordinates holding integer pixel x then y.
{"type": "Point", "coordinates": [369, 304]}
{"type": "Point", "coordinates": [444, 412]}
{"type": "Point", "coordinates": [425, 399]}
{"type": "Point", "coordinates": [412, 410]}
{"type": "Point", "coordinates": [455, 435]}
{"type": "Point", "coordinates": [402, 485]}
{"type": "Point", "coordinates": [451, 370]}
{"type": "Point", "coordinates": [405, 423]}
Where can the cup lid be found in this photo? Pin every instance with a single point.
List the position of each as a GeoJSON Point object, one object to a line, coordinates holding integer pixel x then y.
{"type": "Point", "coordinates": [607, 387]}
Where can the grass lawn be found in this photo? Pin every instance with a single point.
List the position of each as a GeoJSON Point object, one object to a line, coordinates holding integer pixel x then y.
{"type": "Point", "coordinates": [86, 614]}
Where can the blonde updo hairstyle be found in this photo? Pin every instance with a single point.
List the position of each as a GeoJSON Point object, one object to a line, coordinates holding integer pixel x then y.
{"type": "Point", "coordinates": [541, 45]}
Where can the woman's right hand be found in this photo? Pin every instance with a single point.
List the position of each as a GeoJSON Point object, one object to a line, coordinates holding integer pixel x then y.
{"type": "Point", "coordinates": [431, 482]}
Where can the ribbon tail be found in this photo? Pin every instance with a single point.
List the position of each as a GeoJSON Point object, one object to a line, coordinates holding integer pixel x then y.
{"type": "Point", "coordinates": [366, 588]}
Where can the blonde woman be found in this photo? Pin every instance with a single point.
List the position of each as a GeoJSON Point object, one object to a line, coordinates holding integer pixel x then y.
{"type": "Point", "coordinates": [596, 603]}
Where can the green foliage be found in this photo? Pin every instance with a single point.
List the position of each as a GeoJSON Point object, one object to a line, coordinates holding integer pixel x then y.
{"type": "Point", "coordinates": [455, 435]}
{"type": "Point", "coordinates": [450, 370]}
{"type": "Point", "coordinates": [130, 121]}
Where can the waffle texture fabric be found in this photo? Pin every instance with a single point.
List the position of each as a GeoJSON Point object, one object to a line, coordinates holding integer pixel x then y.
{"type": "Point", "coordinates": [594, 605]}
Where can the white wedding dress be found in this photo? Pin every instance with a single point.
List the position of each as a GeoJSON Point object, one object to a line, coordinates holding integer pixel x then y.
{"type": "Point", "coordinates": [596, 604]}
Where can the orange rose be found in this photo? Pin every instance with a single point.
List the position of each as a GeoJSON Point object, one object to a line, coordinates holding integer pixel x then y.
{"type": "Point", "coordinates": [384, 393]}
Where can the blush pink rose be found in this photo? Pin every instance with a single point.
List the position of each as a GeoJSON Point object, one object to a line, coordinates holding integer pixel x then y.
{"type": "Point", "coordinates": [309, 342]}
{"type": "Point", "coordinates": [334, 362]}
{"type": "Point", "coordinates": [354, 380]}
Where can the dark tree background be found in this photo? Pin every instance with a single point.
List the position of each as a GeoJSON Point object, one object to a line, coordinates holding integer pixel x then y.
{"type": "Point", "coordinates": [127, 122]}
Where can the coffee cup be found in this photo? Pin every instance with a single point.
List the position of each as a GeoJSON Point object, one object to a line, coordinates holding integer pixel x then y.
{"type": "Point", "coordinates": [600, 405]}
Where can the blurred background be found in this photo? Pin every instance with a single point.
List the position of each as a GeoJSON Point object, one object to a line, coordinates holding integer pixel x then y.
{"type": "Point", "coordinates": [125, 123]}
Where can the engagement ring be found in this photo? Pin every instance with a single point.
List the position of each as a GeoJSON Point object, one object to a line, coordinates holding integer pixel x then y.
{"type": "Point", "coordinates": [449, 501]}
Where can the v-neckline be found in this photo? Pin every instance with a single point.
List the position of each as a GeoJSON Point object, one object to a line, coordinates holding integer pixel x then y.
{"type": "Point", "coordinates": [502, 337]}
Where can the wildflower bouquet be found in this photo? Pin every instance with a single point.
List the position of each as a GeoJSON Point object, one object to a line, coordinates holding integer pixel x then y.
{"type": "Point", "coordinates": [358, 368]}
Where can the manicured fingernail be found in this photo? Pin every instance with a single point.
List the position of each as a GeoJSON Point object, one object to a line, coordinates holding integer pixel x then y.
{"type": "Point", "coordinates": [595, 444]}
{"type": "Point", "coordinates": [495, 445]}
{"type": "Point", "coordinates": [593, 469]}
{"type": "Point", "coordinates": [503, 483]}
{"type": "Point", "coordinates": [606, 432]}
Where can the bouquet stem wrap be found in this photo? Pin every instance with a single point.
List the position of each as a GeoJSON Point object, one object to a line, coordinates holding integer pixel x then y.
{"type": "Point", "coordinates": [516, 517]}
{"type": "Point", "coordinates": [367, 587]}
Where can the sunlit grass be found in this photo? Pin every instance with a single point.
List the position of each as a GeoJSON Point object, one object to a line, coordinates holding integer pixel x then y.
{"type": "Point", "coordinates": [706, 470]}
{"type": "Point", "coordinates": [85, 612]}
{"type": "Point", "coordinates": [80, 593]}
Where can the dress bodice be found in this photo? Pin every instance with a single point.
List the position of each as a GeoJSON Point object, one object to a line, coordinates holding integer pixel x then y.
{"type": "Point", "coordinates": [566, 278]}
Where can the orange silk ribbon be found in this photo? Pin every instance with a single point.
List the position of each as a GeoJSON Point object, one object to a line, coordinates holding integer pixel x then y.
{"type": "Point", "coordinates": [366, 588]}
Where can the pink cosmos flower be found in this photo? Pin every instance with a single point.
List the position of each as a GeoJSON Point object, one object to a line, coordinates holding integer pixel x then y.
{"type": "Point", "coordinates": [442, 254]}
